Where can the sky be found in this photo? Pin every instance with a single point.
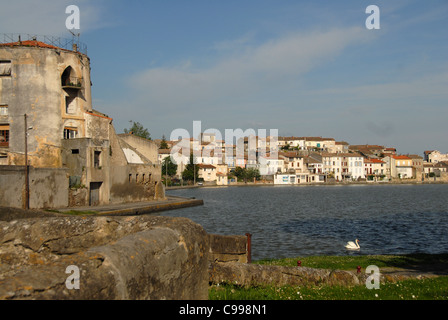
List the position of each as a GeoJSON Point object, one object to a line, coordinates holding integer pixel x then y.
{"type": "Point", "coordinates": [305, 68]}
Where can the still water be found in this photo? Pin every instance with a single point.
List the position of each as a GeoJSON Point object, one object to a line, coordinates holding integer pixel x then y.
{"type": "Point", "coordinates": [291, 221]}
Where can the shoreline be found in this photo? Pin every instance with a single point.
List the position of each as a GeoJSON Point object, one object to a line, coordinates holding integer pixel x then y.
{"type": "Point", "coordinates": [356, 183]}
{"type": "Point", "coordinates": [136, 208]}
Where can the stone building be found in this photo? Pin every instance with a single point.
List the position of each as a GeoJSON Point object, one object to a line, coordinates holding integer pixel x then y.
{"type": "Point", "coordinates": [46, 116]}
{"type": "Point", "coordinates": [435, 156]}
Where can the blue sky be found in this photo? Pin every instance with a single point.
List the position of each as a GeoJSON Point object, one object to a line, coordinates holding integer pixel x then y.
{"type": "Point", "coordinates": [306, 68]}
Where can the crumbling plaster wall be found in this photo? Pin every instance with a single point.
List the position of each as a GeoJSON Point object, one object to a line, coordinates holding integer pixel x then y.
{"type": "Point", "coordinates": [48, 187]}
{"type": "Point", "coordinates": [35, 89]}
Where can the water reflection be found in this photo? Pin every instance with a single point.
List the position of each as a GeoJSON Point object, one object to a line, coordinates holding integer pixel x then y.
{"type": "Point", "coordinates": [315, 220]}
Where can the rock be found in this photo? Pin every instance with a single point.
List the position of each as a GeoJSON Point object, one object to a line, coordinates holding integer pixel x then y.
{"type": "Point", "coordinates": [227, 248]}
{"type": "Point", "coordinates": [254, 275]}
{"type": "Point", "coordinates": [159, 193]}
{"type": "Point", "coordinates": [137, 257]}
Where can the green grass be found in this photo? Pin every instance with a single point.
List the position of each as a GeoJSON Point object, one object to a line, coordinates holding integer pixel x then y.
{"type": "Point", "coordinates": [79, 213]}
{"type": "Point", "coordinates": [75, 212]}
{"type": "Point", "coordinates": [425, 289]}
{"type": "Point", "coordinates": [412, 289]}
{"type": "Point", "coordinates": [352, 262]}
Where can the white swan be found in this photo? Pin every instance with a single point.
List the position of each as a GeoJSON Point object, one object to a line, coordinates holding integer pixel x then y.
{"type": "Point", "coordinates": [352, 245]}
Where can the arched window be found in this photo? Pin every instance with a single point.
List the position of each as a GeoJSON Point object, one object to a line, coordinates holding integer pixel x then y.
{"type": "Point", "coordinates": [69, 80]}
{"type": "Point", "coordinates": [71, 85]}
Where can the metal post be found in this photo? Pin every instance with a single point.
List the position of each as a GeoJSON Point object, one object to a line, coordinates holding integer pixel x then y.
{"type": "Point", "coordinates": [249, 247]}
{"type": "Point", "coordinates": [194, 173]}
{"type": "Point", "coordinates": [166, 172]}
{"type": "Point", "coordinates": [27, 180]}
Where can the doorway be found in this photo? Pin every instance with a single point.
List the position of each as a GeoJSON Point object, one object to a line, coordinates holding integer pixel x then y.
{"type": "Point", "coordinates": [95, 193]}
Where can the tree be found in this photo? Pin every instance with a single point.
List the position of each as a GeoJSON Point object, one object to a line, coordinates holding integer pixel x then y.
{"type": "Point", "coordinates": [163, 144]}
{"type": "Point", "coordinates": [253, 173]}
{"type": "Point", "coordinates": [240, 173]}
{"type": "Point", "coordinates": [138, 130]}
{"type": "Point", "coordinates": [169, 167]}
{"type": "Point", "coordinates": [191, 171]}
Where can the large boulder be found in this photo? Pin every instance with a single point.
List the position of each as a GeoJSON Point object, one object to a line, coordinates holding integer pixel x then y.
{"type": "Point", "coordinates": [136, 257]}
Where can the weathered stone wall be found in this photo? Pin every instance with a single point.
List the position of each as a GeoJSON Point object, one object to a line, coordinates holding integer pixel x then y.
{"type": "Point", "coordinates": [228, 248]}
{"type": "Point", "coordinates": [48, 187]}
{"type": "Point", "coordinates": [248, 275]}
{"type": "Point", "coordinates": [133, 182]}
{"type": "Point", "coordinates": [138, 257]}
{"type": "Point", "coordinates": [146, 147]}
{"type": "Point", "coordinates": [34, 88]}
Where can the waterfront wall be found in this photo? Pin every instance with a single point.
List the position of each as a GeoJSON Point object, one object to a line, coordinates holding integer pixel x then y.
{"type": "Point", "coordinates": [228, 248]}
{"type": "Point", "coordinates": [249, 275]}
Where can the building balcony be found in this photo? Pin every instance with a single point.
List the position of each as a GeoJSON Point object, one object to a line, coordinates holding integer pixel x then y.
{"type": "Point", "coordinates": [72, 83]}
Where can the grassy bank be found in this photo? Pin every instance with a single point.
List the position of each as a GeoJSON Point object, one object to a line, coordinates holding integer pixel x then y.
{"type": "Point", "coordinates": [413, 289]}
{"type": "Point", "coordinates": [425, 289]}
{"type": "Point", "coordinates": [421, 261]}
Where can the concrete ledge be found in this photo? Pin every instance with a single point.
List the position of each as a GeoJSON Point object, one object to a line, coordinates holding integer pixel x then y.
{"type": "Point", "coordinates": [138, 208]}
{"type": "Point", "coordinates": [154, 208]}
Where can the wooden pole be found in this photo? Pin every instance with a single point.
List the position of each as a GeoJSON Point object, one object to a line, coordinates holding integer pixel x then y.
{"type": "Point", "coordinates": [27, 179]}
{"type": "Point", "coordinates": [249, 247]}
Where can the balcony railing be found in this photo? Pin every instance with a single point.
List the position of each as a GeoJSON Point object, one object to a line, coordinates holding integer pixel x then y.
{"type": "Point", "coordinates": [72, 83]}
{"type": "Point", "coordinates": [64, 43]}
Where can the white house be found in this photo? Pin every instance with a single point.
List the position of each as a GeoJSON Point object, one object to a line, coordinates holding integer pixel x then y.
{"type": "Point", "coordinates": [332, 165]}
{"type": "Point", "coordinates": [270, 165]}
{"type": "Point", "coordinates": [207, 172]}
{"type": "Point", "coordinates": [285, 178]}
{"type": "Point", "coordinates": [221, 175]}
{"type": "Point", "coordinates": [356, 166]}
{"type": "Point", "coordinates": [374, 167]}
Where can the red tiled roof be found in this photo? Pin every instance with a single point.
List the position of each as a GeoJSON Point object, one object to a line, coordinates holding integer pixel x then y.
{"type": "Point", "coordinates": [401, 157]}
{"type": "Point", "coordinates": [373, 160]}
{"type": "Point", "coordinates": [97, 115]}
{"type": "Point", "coordinates": [206, 166]}
{"type": "Point", "coordinates": [289, 154]}
{"type": "Point", "coordinates": [30, 43]}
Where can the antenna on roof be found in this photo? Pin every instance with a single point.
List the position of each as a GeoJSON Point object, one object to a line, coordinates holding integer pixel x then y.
{"type": "Point", "coordinates": [75, 43]}
{"type": "Point", "coordinates": [74, 34]}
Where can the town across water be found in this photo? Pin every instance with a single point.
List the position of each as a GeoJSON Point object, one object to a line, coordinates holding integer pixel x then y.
{"type": "Point", "coordinates": [290, 221]}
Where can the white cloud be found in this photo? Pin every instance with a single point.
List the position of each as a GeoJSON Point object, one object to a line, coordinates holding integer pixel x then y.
{"type": "Point", "coordinates": [251, 73]}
